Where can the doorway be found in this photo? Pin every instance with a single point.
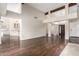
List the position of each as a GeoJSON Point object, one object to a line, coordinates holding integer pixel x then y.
{"type": "Point", "coordinates": [10, 31]}
{"type": "Point", "coordinates": [62, 31]}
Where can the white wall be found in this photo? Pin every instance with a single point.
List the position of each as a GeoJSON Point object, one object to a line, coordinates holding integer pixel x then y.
{"type": "Point", "coordinates": [3, 8]}
{"type": "Point", "coordinates": [54, 29]}
{"type": "Point", "coordinates": [14, 7]}
{"type": "Point", "coordinates": [10, 14]}
{"type": "Point", "coordinates": [31, 27]}
{"type": "Point", "coordinates": [74, 28]}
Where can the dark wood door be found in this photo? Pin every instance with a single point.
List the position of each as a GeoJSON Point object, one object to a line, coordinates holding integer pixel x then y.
{"type": "Point", "coordinates": [62, 31]}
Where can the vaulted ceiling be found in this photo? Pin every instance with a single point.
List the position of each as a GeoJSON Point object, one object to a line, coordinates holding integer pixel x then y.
{"type": "Point", "coordinates": [45, 7]}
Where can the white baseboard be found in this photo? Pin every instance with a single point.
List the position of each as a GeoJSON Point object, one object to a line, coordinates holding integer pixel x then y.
{"type": "Point", "coordinates": [31, 38]}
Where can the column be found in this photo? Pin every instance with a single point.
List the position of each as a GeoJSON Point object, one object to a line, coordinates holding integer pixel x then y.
{"type": "Point", "coordinates": [67, 30]}
{"type": "Point", "coordinates": [78, 10]}
{"type": "Point", "coordinates": [67, 23]}
{"type": "Point", "coordinates": [66, 11]}
{"type": "Point", "coordinates": [0, 33]}
{"type": "Point", "coordinates": [49, 29]}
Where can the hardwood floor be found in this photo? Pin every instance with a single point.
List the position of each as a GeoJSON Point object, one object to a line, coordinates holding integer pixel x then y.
{"type": "Point", "coordinates": [42, 46]}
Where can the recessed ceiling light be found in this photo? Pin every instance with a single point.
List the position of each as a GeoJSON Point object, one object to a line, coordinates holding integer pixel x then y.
{"type": "Point", "coordinates": [35, 17]}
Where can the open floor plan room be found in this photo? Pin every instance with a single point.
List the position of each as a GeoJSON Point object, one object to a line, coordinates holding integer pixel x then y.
{"type": "Point", "coordinates": [39, 29]}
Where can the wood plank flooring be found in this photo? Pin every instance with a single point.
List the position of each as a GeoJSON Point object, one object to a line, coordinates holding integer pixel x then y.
{"type": "Point", "coordinates": [41, 46]}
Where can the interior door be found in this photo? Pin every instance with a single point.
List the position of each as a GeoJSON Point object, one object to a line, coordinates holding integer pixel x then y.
{"type": "Point", "coordinates": [62, 31]}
